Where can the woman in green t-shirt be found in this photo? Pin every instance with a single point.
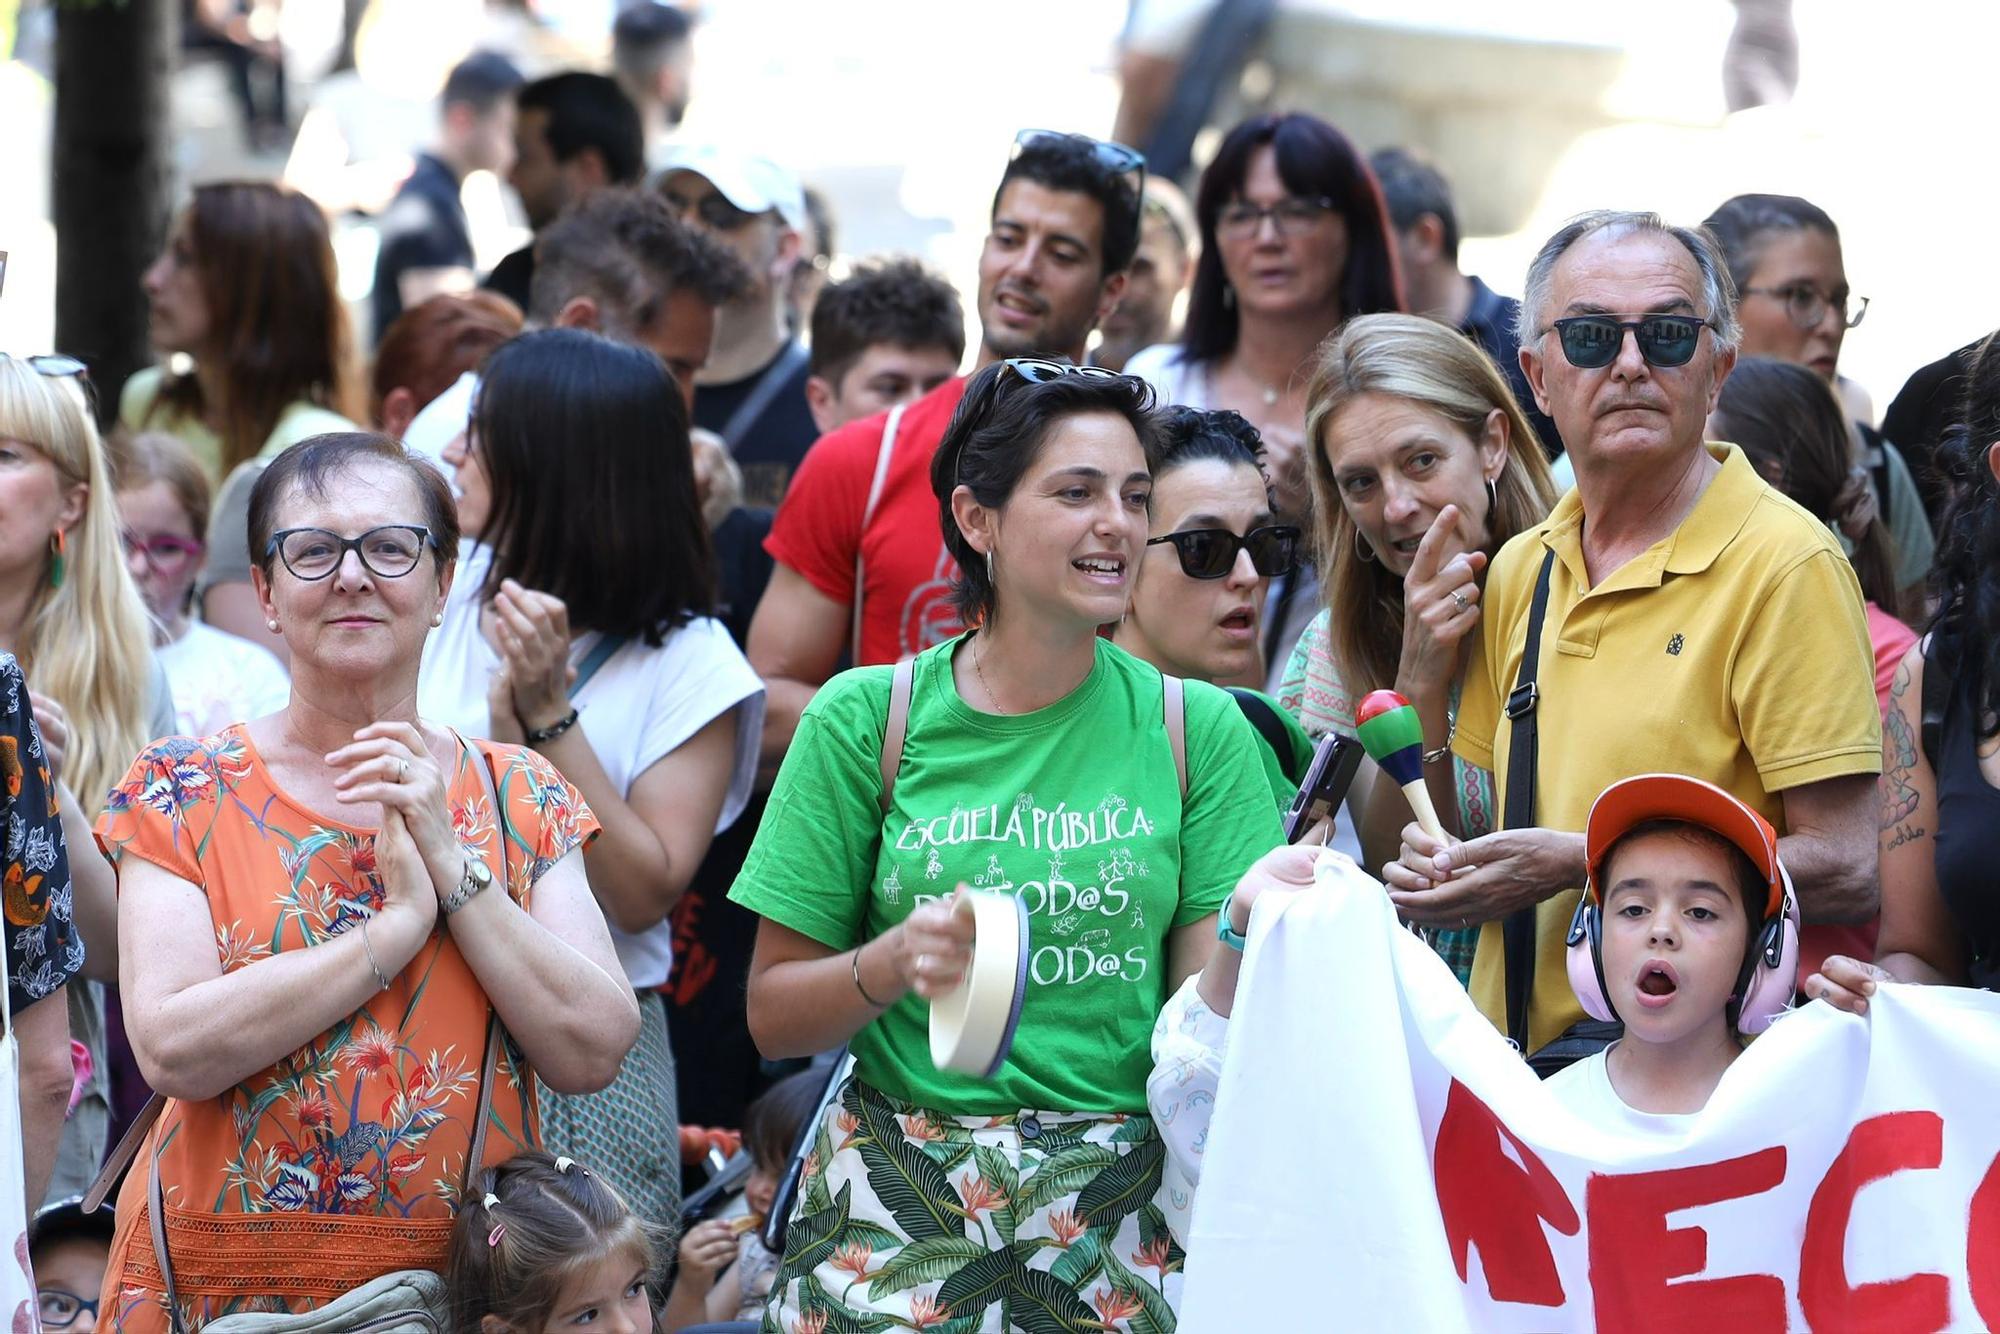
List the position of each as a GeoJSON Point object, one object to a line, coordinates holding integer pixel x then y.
{"type": "Point", "coordinates": [1037, 762]}
{"type": "Point", "coordinates": [1198, 598]}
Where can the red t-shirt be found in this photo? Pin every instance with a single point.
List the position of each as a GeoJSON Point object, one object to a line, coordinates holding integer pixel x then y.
{"type": "Point", "coordinates": [907, 574]}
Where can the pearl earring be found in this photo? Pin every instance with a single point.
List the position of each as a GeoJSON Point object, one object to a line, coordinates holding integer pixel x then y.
{"type": "Point", "coordinates": [437, 620]}
{"type": "Point", "coordinates": [273, 624]}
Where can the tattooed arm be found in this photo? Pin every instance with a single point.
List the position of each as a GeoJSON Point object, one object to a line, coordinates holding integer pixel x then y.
{"type": "Point", "coordinates": [1919, 942]}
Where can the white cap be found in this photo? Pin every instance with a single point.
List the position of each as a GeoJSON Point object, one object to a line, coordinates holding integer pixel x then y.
{"type": "Point", "coordinates": [752, 183]}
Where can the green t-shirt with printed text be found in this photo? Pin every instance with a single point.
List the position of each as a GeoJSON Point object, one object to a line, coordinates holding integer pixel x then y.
{"type": "Point", "coordinates": [1075, 808]}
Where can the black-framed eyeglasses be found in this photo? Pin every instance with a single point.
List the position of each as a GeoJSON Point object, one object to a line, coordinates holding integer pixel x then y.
{"type": "Point", "coordinates": [1116, 159]}
{"type": "Point", "coordinates": [1292, 216]}
{"type": "Point", "coordinates": [1806, 305]}
{"type": "Point", "coordinates": [1039, 370]}
{"type": "Point", "coordinates": [1591, 341]}
{"type": "Point", "coordinates": [388, 552]}
{"type": "Point", "coordinates": [164, 552]}
{"type": "Point", "coordinates": [60, 1307]}
{"type": "Point", "coordinates": [1210, 553]}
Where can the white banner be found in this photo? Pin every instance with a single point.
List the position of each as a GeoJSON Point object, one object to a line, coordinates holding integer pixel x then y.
{"type": "Point", "coordinates": [1381, 1160]}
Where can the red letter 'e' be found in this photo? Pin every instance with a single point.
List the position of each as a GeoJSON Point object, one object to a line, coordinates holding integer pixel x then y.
{"type": "Point", "coordinates": [1633, 1253]}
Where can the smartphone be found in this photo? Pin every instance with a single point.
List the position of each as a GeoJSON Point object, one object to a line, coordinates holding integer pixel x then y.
{"type": "Point", "coordinates": [1334, 765]}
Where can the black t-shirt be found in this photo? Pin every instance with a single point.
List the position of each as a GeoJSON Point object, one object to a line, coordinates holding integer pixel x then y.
{"type": "Point", "coordinates": [423, 228]}
{"type": "Point", "coordinates": [1968, 812]}
{"type": "Point", "coordinates": [512, 276]}
{"type": "Point", "coordinates": [1928, 406]}
{"type": "Point", "coordinates": [1490, 322]}
{"type": "Point", "coordinates": [768, 446]}
{"type": "Point", "coordinates": [742, 569]}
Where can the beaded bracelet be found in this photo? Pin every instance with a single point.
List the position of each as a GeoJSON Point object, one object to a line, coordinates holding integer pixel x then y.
{"type": "Point", "coordinates": [553, 730]}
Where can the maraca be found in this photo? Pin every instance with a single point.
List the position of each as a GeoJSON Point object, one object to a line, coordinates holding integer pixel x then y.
{"type": "Point", "coordinates": [1394, 738]}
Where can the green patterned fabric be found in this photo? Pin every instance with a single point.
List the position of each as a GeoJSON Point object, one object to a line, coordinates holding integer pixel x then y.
{"type": "Point", "coordinates": [629, 1133]}
{"type": "Point", "coordinates": [911, 1219]}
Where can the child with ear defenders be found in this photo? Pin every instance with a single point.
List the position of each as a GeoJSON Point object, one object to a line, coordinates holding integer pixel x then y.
{"type": "Point", "coordinates": [1687, 933]}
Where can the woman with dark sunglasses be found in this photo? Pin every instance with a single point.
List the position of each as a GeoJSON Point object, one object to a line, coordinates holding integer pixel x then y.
{"type": "Point", "coordinates": [1422, 465]}
{"type": "Point", "coordinates": [1198, 595]}
{"type": "Point", "coordinates": [1038, 761]}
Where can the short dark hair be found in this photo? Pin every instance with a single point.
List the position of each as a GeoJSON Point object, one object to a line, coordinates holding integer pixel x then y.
{"type": "Point", "coordinates": [994, 438]}
{"type": "Point", "coordinates": [773, 1123]}
{"type": "Point", "coordinates": [589, 111]}
{"type": "Point", "coordinates": [1315, 161]}
{"type": "Point", "coordinates": [1412, 187]}
{"type": "Point", "coordinates": [480, 81]}
{"type": "Point", "coordinates": [585, 445]}
{"type": "Point", "coordinates": [626, 250]}
{"type": "Point", "coordinates": [1070, 162]}
{"type": "Point", "coordinates": [1752, 889]}
{"type": "Point", "coordinates": [644, 34]}
{"type": "Point", "coordinates": [895, 301]}
{"type": "Point", "coordinates": [310, 467]}
{"type": "Point", "coordinates": [1741, 224]}
{"type": "Point", "coordinates": [1188, 435]}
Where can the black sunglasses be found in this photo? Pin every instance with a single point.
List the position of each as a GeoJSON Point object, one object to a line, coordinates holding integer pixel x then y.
{"type": "Point", "coordinates": [1591, 341]}
{"type": "Point", "coordinates": [1040, 370]}
{"type": "Point", "coordinates": [1115, 158]}
{"type": "Point", "coordinates": [1210, 553]}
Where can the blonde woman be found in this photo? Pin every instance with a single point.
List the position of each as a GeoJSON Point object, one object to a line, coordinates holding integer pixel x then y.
{"type": "Point", "coordinates": [70, 614]}
{"type": "Point", "coordinates": [1421, 465]}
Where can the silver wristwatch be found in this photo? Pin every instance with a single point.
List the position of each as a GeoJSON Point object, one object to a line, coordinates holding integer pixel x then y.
{"type": "Point", "coordinates": [476, 878]}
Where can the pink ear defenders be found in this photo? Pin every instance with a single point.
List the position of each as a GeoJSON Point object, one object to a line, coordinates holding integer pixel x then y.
{"type": "Point", "coordinates": [1770, 972]}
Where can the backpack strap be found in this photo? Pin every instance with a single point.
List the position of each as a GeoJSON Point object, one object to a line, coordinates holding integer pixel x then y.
{"type": "Point", "coordinates": [600, 653]}
{"type": "Point", "coordinates": [1173, 704]}
{"type": "Point", "coordinates": [884, 452]}
{"type": "Point", "coordinates": [897, 729]}
{"type": "Point", "coordinates": [1518, 931]}
{"type": "Point", "coordinates": [1270, 728]}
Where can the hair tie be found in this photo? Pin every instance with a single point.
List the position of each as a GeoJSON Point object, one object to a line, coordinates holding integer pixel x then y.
{"type": "Point", "coordinates": [491, 1201]}
{"type": "Point", "coordinates": [493, 1237]}
{"type": "Point", "coordinates": [564, 1164]}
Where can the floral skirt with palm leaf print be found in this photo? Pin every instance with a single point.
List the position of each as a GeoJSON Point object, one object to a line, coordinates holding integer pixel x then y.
{"type": "Point", "coordinates": [911, 1219]}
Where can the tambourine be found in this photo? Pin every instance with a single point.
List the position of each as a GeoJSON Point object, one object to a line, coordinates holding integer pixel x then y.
{"type": "Point", "coordinates": [972, 1025]}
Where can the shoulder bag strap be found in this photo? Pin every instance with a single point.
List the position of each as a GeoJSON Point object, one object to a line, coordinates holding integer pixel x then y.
{"type": "Point", "coordinates": [762, 394]}
{"type": "Point", "coordinates": [897, 729]}
{"type": "Point", "coordinates": [1518, 931]}
{"type": "Point", "coordinates": [1933, 699]}
{"type": "Point", "coordinates": [1173, 705]}
{"type": "Point", "coordinates": [600, 653]}
{"type": "Point", "coordinates": [489, 1067]}
{"type": "Point", "coordinates": [883, 453]}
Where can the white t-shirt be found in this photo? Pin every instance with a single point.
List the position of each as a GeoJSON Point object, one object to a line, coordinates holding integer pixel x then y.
{"type": "Point", "coordinates": [638, 708]}
{"type": "Point", "coordinates": [219, 679]}
{"type": "Point", "coordinates": [1585, 1088]}
{"type": "Point", "coordinates": [1174, 380]}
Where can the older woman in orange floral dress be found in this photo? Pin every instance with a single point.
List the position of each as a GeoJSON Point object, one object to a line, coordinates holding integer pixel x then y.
{"type": "Point", "coordinates": [321, 911]}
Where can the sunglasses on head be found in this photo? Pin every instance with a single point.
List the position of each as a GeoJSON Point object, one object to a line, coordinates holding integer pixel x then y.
{"type": "Point", "coordinates": [1210, 553]}
{"type": "Point", "coordinates": [1114, 158]}
{"type": "Point", "coordinates": [1592, 341]}
{"type": "Point", "coordinates": [1040, 370]}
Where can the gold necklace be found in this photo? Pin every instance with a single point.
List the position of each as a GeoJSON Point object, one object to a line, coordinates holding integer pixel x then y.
{"type": "Point", "coordinates": [991, 698]}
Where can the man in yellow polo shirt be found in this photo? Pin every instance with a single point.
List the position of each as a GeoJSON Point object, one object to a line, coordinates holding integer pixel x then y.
{"type": "Point", "coordinates": [1698, 622]}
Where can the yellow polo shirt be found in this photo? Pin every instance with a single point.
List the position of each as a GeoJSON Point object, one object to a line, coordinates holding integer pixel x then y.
{"type": "Point", "coordinates": [1734, 650]}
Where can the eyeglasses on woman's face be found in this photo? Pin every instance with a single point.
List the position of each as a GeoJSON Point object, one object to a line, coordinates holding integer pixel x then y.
{"type": "Point", "coordinates": [388, 552]}
{"type": "Point", "coordinates": [164, 553]}
{"type": "Point", "coordinates": [1291, 216]}
{"type": "Point", "coordinates": [1806, 305]}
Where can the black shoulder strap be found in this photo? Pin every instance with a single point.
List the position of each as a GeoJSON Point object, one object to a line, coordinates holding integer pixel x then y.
{"type": "Point", "coordinates": [1878, 465]}
{"type": "Point", "coordinates": [1269, 726]}
{"type": "Point", "coordinates": [1934, 699]}
{"type": "Point", "coordinates": [764, 393]}
{"type": "Point", "coordinates": [1518, 932]}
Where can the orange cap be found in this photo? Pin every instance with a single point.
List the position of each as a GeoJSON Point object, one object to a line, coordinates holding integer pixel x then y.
{"type": "Point", "coordinates": [1631, 802]}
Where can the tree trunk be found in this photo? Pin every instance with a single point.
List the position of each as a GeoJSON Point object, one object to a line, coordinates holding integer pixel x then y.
{"type": "Point", "coordinates": [113, 178]}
